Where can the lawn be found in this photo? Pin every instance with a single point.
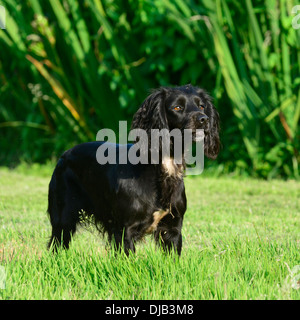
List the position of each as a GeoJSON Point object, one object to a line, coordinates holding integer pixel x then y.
{"type": "Point", "coordinates": [241, 240]}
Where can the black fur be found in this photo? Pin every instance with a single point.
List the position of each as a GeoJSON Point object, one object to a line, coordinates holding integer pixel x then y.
{"type": "Point", "coordinates": [127, 201]}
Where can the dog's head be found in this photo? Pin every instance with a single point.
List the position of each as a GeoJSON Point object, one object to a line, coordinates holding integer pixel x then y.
{"type": "Point", "coordinates": [184, 107]}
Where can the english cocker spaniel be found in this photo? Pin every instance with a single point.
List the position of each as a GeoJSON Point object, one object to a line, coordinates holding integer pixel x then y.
{"type": "Point", "coordinates": [128, 201]}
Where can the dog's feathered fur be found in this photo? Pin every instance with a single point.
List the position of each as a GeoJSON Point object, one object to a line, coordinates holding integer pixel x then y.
{"type": "Point", "coordinates": [128, 201]}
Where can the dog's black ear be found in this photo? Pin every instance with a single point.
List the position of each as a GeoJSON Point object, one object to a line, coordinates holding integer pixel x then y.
{"type": "Point", "coordinates": [212, 144]}
{"type": "Point", "coordinates": [212, 140]}
{"type": "Point", "coordinates": [151, 114]}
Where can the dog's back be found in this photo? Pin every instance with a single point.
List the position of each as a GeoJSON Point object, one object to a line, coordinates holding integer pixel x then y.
{"type": "Point", "coordinates": [81, 187]}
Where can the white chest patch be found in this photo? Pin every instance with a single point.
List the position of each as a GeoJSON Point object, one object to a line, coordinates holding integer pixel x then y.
{"type": "Point", "coordinates": [171, 168]}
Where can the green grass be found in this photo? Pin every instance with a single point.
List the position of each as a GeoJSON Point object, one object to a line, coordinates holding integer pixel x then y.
{"type": "Point", "coordinates": [240, 241]}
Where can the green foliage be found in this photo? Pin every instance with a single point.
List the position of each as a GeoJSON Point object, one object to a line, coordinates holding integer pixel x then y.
{"type": "Point", "coordinates": [69, 68]}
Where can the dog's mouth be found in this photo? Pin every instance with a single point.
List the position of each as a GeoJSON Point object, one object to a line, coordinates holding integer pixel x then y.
{"type": "Point", "coordinates": [199, 131]}
{"type": "Point", "coordinates": [196, 126]}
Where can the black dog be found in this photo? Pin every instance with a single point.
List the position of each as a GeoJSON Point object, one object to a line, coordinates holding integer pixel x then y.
{"type": "Point", "coordinates": [128, 201]}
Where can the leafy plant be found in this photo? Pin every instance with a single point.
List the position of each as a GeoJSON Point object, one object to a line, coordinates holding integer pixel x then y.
{"type": "Point", "coordinates": [69, 68]}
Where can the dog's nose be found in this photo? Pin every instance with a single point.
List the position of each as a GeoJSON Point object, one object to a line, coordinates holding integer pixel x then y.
{"type": "Point", "coordinates": [202, 118]}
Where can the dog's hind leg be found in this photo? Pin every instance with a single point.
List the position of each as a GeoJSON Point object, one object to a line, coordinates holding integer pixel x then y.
{"type": "Point", "coordinates": [64, 204]}
{"type": "Point", "coordinates": [62, 230]}
{"type": "Point", "coordinates": [60, 237]}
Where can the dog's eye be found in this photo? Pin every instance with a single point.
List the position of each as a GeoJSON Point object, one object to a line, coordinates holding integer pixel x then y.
{"type": "Point", "coordinates": [202, 106]}
{"type": "Point", "coordinates": [177, 108]}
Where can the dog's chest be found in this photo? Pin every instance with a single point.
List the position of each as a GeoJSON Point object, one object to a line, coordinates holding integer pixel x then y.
{"type": "Point", "coordinates": [172, 176]}
{"type": "Point", "coordinates": [157, 216]}
{"type": "Point", "coordinates": [171, 169]}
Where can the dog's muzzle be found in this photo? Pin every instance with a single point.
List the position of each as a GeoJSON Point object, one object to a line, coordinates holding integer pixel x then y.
{"type": "Point", "coordinates": [202, 119]}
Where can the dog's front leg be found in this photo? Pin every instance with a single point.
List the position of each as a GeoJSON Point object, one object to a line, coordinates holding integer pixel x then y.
{"type": "Point", "coordinates": [168, 234]}
{"type": "Point", "coordinates": [122, 240]}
